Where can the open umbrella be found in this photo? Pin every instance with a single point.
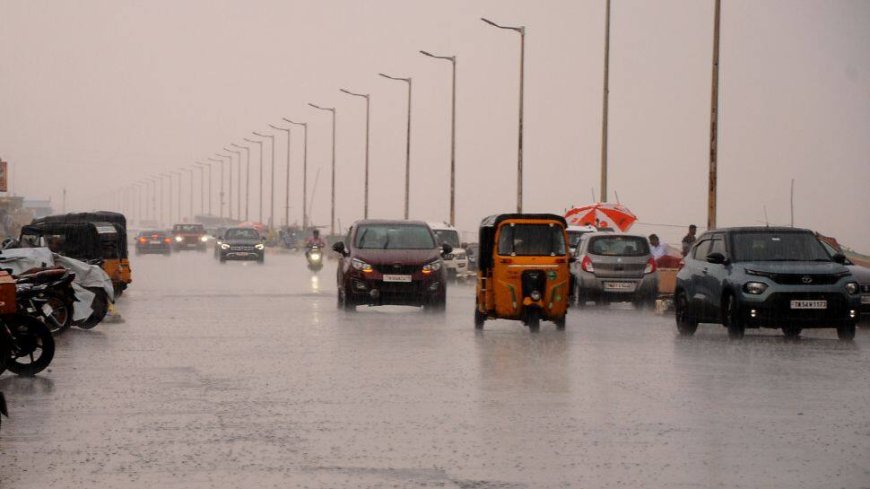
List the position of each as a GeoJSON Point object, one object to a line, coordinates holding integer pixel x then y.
{"type": "Point", "coordinates": [601, 214]}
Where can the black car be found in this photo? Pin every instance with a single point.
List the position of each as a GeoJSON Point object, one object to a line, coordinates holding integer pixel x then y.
{"type": "Point", "coordinates": [240, 244]}
{"type": "Point", "coordinates": [391, 262]}
{"type": "Point", "coordinates": [767, 277]}
{"type": "Point", "coordinates": [155, 241]}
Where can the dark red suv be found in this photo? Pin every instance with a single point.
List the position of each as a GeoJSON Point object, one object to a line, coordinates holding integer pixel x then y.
{"type": "Point", "coordinates": [391, 262]}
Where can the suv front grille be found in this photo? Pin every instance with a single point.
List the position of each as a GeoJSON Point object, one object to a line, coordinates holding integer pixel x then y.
{"type": "Point", "coordinates": [804, 279]}
{"type": "Point", "coordinates": [397, 269]}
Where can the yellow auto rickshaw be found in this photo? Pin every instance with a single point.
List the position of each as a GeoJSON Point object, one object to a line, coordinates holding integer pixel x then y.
{"type": "Point", "coordinates": [523, 270]}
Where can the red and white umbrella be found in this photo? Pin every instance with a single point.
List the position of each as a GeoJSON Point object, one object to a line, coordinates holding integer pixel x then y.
{"type": "Point", "coordinates": [601, 214]}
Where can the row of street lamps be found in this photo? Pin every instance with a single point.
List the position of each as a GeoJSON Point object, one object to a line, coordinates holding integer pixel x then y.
{"type": "Point", "coordinates": [151, 183]}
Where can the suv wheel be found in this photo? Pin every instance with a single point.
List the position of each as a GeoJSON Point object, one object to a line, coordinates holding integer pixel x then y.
{"type": "Point", "coordinates": [686, 325]}
{"type": "Point", "coordinates": [733, 321]}
{"type": "Point", "coordinates": [846, 332]}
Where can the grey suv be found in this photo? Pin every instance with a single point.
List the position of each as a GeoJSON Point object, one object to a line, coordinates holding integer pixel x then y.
{"type": "Point", "coordinates": [765, 277]}
{"type": "Point", "coordinates": [614, 267]}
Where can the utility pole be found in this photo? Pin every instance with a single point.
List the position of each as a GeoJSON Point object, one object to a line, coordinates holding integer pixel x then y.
{"type": "Point", "coordinates": [714, 124]}
{"type": "Point", "coordinates": [605, 104]}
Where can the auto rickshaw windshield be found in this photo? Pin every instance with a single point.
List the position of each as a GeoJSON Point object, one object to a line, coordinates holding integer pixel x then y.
{"type": "Point", "coordinates": [531, 240]}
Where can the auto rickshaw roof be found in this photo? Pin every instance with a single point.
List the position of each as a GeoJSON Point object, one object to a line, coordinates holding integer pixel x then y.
{"type": "Point", "coordinates": [495, 220]}
{"type": "Point", "coordinates": [488, 225]}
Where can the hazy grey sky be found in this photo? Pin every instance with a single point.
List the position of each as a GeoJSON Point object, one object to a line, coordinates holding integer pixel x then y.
{"type": "Point", "coordinates": [96, 94]}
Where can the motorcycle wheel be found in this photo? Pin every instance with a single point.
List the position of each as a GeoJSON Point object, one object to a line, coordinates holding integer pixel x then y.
{"type": "Point", "coordinates": [60, 318]}
{"type": "Point", "coordinates": [100, 305]}
{"type": "Point", "coordinates": [32, 345]}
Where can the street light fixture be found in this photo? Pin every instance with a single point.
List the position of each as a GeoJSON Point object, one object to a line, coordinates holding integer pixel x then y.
{"type": "Point", "coordinates": [452, 60]}
{"type": "Point", "coordinates": [332, 210]}
{"type": "Point", "coordinates": [287, 184]}
{"type": "Point", "coordinates": [304, 172]}
{"type": "Point", "coordinates": [247, 178]}
{"type": "Point", "coordinates": [221, 188]}
{"type": "Point", "coordinates": [260, 143]}
{"type": "Point", "coordinates": [407, 143]}
{"type": "Point", "coordinates": [522, 31]}
{"type": "Point", "coordinates": [271, 179]}
{"type": "Point", "coordinates": [366, 184]}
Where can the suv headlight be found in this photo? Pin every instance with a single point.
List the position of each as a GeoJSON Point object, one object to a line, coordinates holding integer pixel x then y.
{"type": "Point", "coordinates": [259, 246]}
{"type": "Point", "coordinates": [204, 239]}
{"type": "Point", "coordinates": [360, 265]}
{"type": "Point", "coordinates": [432, 266]}
{"type": "Point", "coordinates": [225, 246]}
{"type": "Point", "coordinates": [178, 239]}
{"type": "Point", "coordinates": [754, 288]}
{"type": "Point", "coordinates": [852, 288]}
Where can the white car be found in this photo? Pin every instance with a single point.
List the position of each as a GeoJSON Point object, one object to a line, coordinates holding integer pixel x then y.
{"type": "Point", "coordinates": [455, 262]}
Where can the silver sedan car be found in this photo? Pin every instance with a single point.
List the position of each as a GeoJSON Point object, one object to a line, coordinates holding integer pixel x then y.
{"type": "Point", "coordinates": [613, 267]}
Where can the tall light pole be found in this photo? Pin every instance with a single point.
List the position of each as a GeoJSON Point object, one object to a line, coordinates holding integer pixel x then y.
{"type": "Point", "coordinates": [247, 178]}
{"type": "Point", "coordinates": [304, 172]}
{"type": "Point", "coordinates": [260, 143]}
{"type": "Point", "coordinates": [238, 184]}
{"type": "Point", "coordinates": [332, 209]}
{"type": "Point", "coordinates": [522, 32]}
{"type": "Point", "coordinates": [271, 179]}
{"type": "Point", "coordinates": [714, 124]}
{"type": "Point", "coordinates": [221, 188]}
{"type": "Point", "coordinates": [287, 183]}
{"type": "Point", "coordinates": [407, 143]}
{"type": "Point", "coordinates": [452, 60]}
{"type": "Point", "coordinates": [209, 185]}
{"type": "Point", "coordinates": [366, 179]}
{"type": "Point", "coordinates": [605, 104]}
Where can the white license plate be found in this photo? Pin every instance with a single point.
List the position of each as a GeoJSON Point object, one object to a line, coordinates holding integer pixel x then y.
{"type": "Point", "coordinates": [47, 309]}
{"type": "Point", "coordinates": [809, 304]}
{"type": "Point", "coordinates": [865, 299]}
{"type": "Point", "coordinates": [397, 278]}
{"type": "Point", "coordinates": [154, 241]}
{"type": "Point", "coordinates": [620, 286]}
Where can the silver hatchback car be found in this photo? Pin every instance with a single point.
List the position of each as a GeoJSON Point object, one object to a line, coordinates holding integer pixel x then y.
{"type": "Point", "coordinates": [614, 268]}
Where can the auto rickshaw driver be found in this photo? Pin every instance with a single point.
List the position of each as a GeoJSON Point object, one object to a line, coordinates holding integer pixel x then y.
{"type": "Point", "coordinates": [523, 269]}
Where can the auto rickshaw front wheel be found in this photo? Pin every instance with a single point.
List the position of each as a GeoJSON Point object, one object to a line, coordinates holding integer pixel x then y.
{"type": "Point", "coordinates": [560, 323]}
{"type": "Point", "coordinates": [533, 320]}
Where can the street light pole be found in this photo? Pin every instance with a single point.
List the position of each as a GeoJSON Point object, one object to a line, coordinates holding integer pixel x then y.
{"type": "Point", "coordinates": [260, 215]}
{"type": "Point", "coordinates": [366, 179]}
{"type": "Point", "coordinates": [522, 32]}
{"type": "Point", "coordinates": [332, 211]}
{"type": "Point", "coordinates": [452, 60]}
{"type": "Point", "coordinates": [287, 184]}
{"type": "Point", "coordinates": [209, 186]}
{"type": "Point", "coordinates": [271, 179]}
{"type": "Point", "coordinates": [304, 172]}
{"type": "Point", "coordinates": [247, 178]}
{"type": "Point", "coordinates": [605, 104]}
{"type": "Point", "coordinates": [238, 183]}
{"type": "Point", "coordinates": [714, 124]}
{"type": "Point", "coordinates": [163, 198]}
{"type": "Point", "coordinates": [407, 144]}
{"type": "Point", "coordinates": [221, 191]}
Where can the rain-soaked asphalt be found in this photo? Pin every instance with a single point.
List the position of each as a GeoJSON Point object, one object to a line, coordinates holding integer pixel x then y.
{"type": "Point", "coordinates": [247, 376]}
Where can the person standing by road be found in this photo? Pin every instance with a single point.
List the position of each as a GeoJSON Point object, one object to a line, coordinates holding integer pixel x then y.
{"type": "Point", "coordinates": [657, 249]}
{"type": "Point", "coordinates": [689, 239]}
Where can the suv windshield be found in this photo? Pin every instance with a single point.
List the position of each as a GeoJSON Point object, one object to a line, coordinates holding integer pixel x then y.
{"type": "Point", "coordinates": [393, 237]}
{"type": "Point", "coordinates": [531, 240]}
{"type": "Point", "coordinates": [449, 236]}
{"type": "Point", "coordinates": [762, 246]}
{"type": "Point", "coordinates": [188, 228]}
{"type": "Point", "coordinates": [618, 246]}
{"type": "Point", "coordinates": [242, 233]}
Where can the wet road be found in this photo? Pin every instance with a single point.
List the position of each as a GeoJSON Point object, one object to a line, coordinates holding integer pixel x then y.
{"type": "Point", "coordinates": [241, 375]}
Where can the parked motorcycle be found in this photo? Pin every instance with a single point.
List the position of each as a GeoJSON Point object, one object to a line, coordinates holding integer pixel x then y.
{"type": "Point", "coordinates": [314, 255]}
{"type": "Point", "coordinates": [29, 342]}
{"type": "Point", "coordinates": [48, 295]}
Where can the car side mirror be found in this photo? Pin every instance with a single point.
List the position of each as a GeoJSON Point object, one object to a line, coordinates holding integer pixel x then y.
{"type": "Point", "coordinates": [717, 258]}
{"type": "Point", "coordinates": [446, 249]}
{"type": "Point", "coordinates": [839, 258]}
{"type": "Point", "coordinates": [339, 248]}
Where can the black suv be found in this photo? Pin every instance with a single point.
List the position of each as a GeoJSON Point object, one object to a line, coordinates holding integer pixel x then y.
{"type": "Point", "coordinates": [240, 244]}
{"type": "Point", "coordinates": [765, 277]}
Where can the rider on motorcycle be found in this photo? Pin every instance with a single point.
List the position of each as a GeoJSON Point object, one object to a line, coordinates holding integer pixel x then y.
{"type": "Point", "coordinates": [314, 240]}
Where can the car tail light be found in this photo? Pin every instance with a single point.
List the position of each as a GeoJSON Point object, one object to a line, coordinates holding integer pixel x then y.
{"type": "Point", "coordinates": [167, 240]}
{"type": "Point", "coordinates": [586, 265]}
{"type": "Point", "coordinates": [650, 266]}
{"type": "Point", "coordinates": [142, 240]}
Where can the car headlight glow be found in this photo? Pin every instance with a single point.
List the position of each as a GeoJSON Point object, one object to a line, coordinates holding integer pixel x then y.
{"type": "Point", "coordinates": [852, 288]}
{"type": "Point", "coordinates": [259, 246]}
{"type": "Point", "coordinates": [204, 239]}
{"type": "Point", "coordinates": [754, 288]}
{"type": "Point", "coordinates": [432, 266]}
{"type": "Point", "coordinates": [225, 246]}
{"type": "Point", "coordinates": [360, 265]}
{"type": "Point", "coordinates": [178, 238]}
